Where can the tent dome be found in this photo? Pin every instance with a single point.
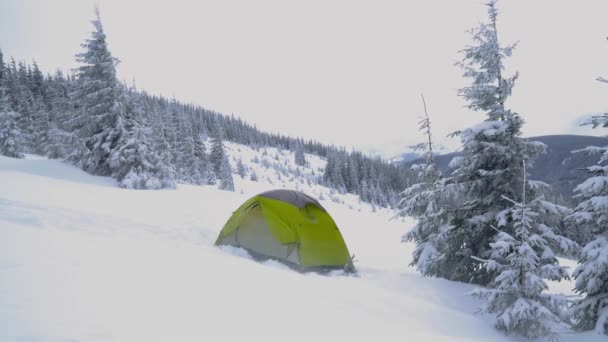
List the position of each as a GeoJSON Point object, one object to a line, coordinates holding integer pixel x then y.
{"type": "Point", "coordinates": [288, 226]}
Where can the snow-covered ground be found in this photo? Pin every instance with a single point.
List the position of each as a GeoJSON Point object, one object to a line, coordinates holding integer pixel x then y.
{"type": "Point", "coordinates": [82, 260]}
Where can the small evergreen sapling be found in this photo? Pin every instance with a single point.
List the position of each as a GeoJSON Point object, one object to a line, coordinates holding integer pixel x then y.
{"type": "Point", "coordinates": [221, 165]}
{"type": "Point", "coordinates": [253, 176]}
{"type": "Point", "coordinates": [11, 140]}
{"type": "Point", "coordinates": [422, 201]}
{"type": "Point", "coordinates": [240, 168]}
{"type": "Point", "coordinates": [300, 158]}
{"type": "Point", "coordinates": [591, 214]}
{"type": "Point", "coordinates": [523, 260]}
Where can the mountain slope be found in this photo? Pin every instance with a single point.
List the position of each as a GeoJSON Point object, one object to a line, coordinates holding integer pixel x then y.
{"type": "Point", "coordinates": [82, 260]}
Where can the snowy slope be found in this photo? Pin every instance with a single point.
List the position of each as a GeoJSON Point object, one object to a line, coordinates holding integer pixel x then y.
{"type": "Point", "coordinates": [82, 260]}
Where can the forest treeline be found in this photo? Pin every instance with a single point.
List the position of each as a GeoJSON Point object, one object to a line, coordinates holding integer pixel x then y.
{"type": "Point", "coordinates": [91, 119]}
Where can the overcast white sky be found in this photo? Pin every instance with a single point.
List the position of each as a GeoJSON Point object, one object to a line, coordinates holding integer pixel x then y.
{"type": "Point", "coordinates": [343, 72]}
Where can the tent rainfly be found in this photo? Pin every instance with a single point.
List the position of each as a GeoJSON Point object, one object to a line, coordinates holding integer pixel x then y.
{"type": "Point", "coordinates": [288, 226]}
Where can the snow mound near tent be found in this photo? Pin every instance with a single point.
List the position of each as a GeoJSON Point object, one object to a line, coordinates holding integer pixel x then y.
{"type": "Point", "coordinates": [82, 260]}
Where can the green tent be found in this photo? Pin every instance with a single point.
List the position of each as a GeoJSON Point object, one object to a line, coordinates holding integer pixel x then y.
{"type": "Point", "coordinates": [288, 226]}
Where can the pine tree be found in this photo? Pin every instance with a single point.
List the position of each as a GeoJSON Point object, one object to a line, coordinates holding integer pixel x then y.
{"type": "Point", "coordinates": [591, 215]}
{"type": "Point", "coordinates": [522, 261]}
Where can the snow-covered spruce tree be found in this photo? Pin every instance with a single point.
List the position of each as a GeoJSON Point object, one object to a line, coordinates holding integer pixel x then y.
{"type": "Point", "coordinates": [253, 176]}
{"type": "Point", "coordinates": [365, 191]}
{"type": "Point", "coordinates": [300, 158]}
{"type": "Point", "coordinates": [164, 159]}
{"type": "Point", "coordinates": [333, 172]}
{"type": "Point", "coordinates": [110, 120]}
{"type": "Point", "coordinates": [41, 126]}
{"type": "Point", "coordinates": [203, 166]}
{"type": "Point", "coordinates": [523, 260]}
{"type": "Point", "coordinates": [188, 164]}
{"type": "Point", "coordinates": [240, 168]}
{"type": "Point", "coordinates": [40, 110]}
{"type": "Point", "coordinates": [491, 165]}
{"type": "Point", "coordinates": [2, 67]}
{"type": "Point", "coordinates": [162, 156]}
{"type": "Point", "coordinates": [591, 214]}
{"type": "Point", "coordinates": [177, 137]}
{"type": "Point", "coordinates": [132, 161]}
{"type": "Point", "coordinates": [23, 104]}
{"type": "Point", "coordinates": [97, 121]}
{"type": "Point", "coordinates": [60, 142]}
{"type": "Point", "coordinates": [221, 165]}
{"type": "Point", "coordinates": [11, 139]}
{"type": "Point", "coordinates": [352, 176]}
{"type": "Point", "coordinates": [423, 201]}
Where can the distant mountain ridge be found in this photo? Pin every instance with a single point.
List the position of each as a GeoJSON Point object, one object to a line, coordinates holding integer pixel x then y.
{"type": "Point", "coordinates": [411, 154]}
{"type": "Point", "coordinates": [559, 167]}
